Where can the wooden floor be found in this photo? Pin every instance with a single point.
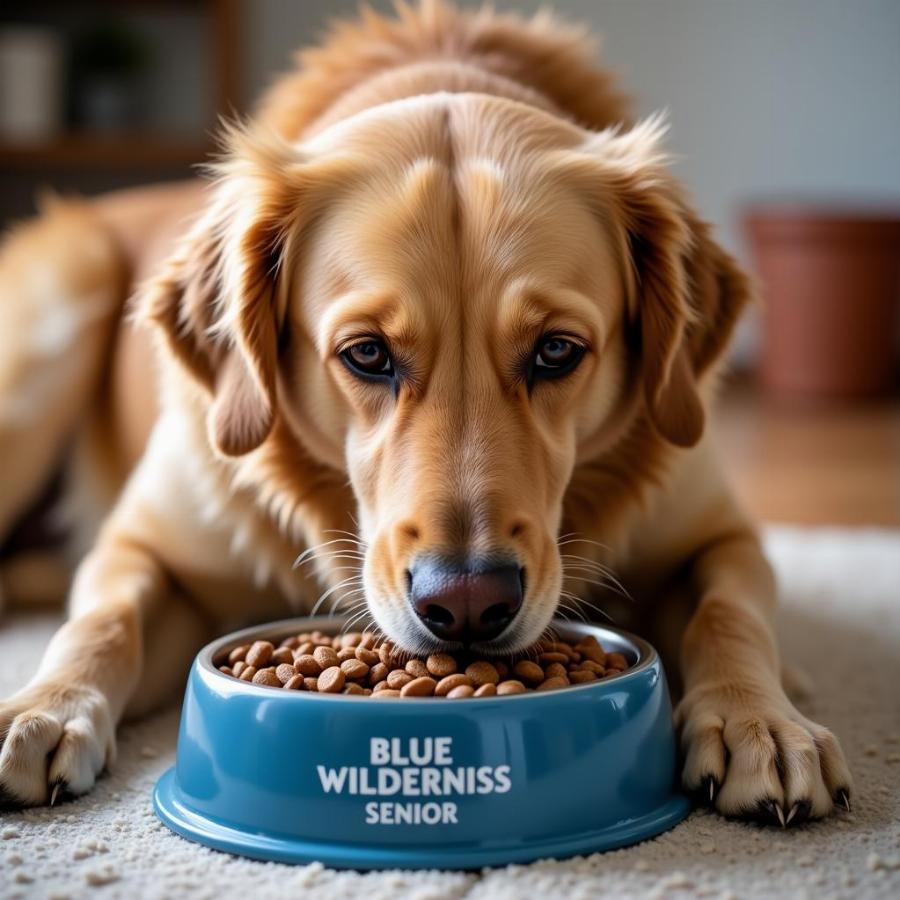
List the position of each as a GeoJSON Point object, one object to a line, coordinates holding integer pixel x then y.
{"type": "Point", "coordinates": [831, 465]}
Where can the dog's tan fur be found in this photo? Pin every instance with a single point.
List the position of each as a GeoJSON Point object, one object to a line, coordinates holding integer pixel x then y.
{"type": "Point", "coordinates": [457, 184]}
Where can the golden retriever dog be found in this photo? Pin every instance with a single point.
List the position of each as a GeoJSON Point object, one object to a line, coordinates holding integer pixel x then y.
{"type": "Point", "coordinates": [443, 323]}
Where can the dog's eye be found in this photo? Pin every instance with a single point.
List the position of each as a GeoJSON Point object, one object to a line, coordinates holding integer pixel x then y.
{"type": "Point", "coordinates": [556, 356]}
{"type": "Point", "coordinates": [369, 358]}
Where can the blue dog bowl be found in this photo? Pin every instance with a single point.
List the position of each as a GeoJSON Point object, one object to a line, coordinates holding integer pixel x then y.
{"type": "Point", "coordinates": [423, 783]}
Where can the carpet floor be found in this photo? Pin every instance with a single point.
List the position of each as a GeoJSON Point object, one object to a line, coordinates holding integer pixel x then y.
{"type": "Point", "coordinates": [840, 621]}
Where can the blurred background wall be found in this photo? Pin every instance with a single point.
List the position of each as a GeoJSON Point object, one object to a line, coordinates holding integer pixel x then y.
{"type": "Point", "coordinates": [767, 99]}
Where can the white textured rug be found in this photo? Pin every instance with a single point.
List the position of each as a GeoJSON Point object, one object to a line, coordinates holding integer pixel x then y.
{"type": "Point", "coordinates": [840, 621]}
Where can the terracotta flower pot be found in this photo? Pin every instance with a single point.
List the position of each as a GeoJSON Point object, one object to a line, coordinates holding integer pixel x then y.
{"type": "Point", "coordinates": [831, 290]}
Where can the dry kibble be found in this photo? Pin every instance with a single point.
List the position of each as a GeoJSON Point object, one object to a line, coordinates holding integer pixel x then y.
{"type": "Point", "coordinates": [461, 692]}
{"type": "Point", "coordinates": [441, 664]}
{"type": "Point", "coordinates": [530, 672]}
{"type": "Point", "coordinates": [239, 653]}
{"type": "Point", "coordinates": [482, 672]}
{"type": "Point", "coordinates": [332, 680]}
{"type": "Point", "coordinates": [357, 664]}
{"type": "Point", "coordinates": [449, 682]}
{"type": "Point", "coordinates": [326, 657]}
{"type": "Point", "coordinates": [418, 687]}
{"type": "Point", "coordinates": [416, 668]}
{"type": "Point", "coordinates": [267, 677]}
{"type": "Point", "coordinates": [555, 670]}
{"type": "Point", "coordinates": [260, 653]}
{"type": "Point", "coordinates": [398, 678]}
{"type": "Point", "coordinates": [364, 654]}
{"type": "Point", "coordinates": [354, 669]}
{"type": "Point", "coordinates": [307, 665]}
{"type": "Point", "coordinates": [283, 656]}
{"type": "Point", "coordinates": [285, 673]}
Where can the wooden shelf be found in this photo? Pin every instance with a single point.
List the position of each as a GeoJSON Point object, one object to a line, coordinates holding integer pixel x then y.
{"type": "Point", "coordinates": [119, 150]}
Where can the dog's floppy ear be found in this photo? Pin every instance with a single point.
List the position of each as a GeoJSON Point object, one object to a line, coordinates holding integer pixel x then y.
{"type": "Point", "coordinates": [685, 292]}
{"type": "Point", "coordinates": [216, 300]}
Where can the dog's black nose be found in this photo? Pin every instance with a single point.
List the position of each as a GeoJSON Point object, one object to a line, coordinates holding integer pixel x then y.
{"type": "Point", "coordinates": [465, 604]}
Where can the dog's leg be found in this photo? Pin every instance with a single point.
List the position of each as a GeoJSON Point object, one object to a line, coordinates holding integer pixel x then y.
{"type": "Point", "coordinates": [61, 287]}
{"type": "Point", "coordinates": [748, 751]}
{"type": "Point", "coordinates": [60, 729]}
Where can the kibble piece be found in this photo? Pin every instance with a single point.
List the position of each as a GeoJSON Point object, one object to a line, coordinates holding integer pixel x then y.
{"type": "Point", "coordinates": [326, 657]}
{"type": "Point", "coordinates": [441, 664]}
{"type": "Point", "coordinates": [591, 666]}
{"type": "Point", "coordinates": [311, 683]}
{"type": "Point", "coordinates": [461, 692]}
{"type": "Point", "coordinates": [510, 687]}
{"type": "Point", "coordinates": [416, 668]}
{"type": "Point", "coordinates": [387, 692]}
{"type": "Point", "coordinates": [386, 653]}
{"type": "Point", "coordinates": [592, 652]}
{"type": "Point", "coordinates": [332, 680]}
{"type": "Point", "coordinates": [260, 653]}
{"type": "Point", "coordinates": [367, 641]}
{"type": "Point", "coordinates": [616, 661]}
{"type": "Point", "coordinates": [530, 672]}
{"type": "Point", "coordinates": [398, 678]}
{"type": "Point", "coordinates": [418, 687]}
{"type": "Point", "coordinates": [238, 668]}
{"type": "Point", "coordinates": [294, 684]}
{"type": "Point", "coordinates": [346, 653]}
{"type": "Point", "coordinates": [553, 657]}
{"type": "Point", "coordinates": [239, 653]}
{"type": "Point", "coordinates": [226, 670]}
{"type": "Point", "coordinates": [353, 688]}
{"type": "Point", "coordinates": [449, 682]}
{"type": "Point", "coordinates": [283, 656]}
{"type": "Point", "coordinates": [306, 647]}
{"type": "Point", "coordinates": [381, 686]}
{"type": "Point", "coordinates": [267, 677]}
{"type": "Point", "coordinates": [364, 654]}
{"type": "Point", "coordinates": [581, 676]}
{"type": "Point", "coordinates": [551, 684]}
{"type": "Point", "coordinates": [486, 690]}
{"type": "Point", "coordinates": [377, 673]}
{"type": "Point", "coordinates": [307, 665]}
{"type": "Point", "coordinates": [482, 672]}
{"type": "Point", "coordinates": [285, 673]}
{"type": "Point", "coordinates": [247, 673]}
{"type": "Point", "coordinates": [290, 643]}
{"type": "Point", "coordinates": [354, 669]}
{"type": "Point", "coordinates": [555, 670]}
{"type": "Point", "coordinates": [502, 668]}
{"type": "Point", "coordinates": [351, 639]}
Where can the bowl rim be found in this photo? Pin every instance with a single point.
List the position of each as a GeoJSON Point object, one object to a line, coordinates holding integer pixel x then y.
{"type": "Point", "coordinates": [645, 653]}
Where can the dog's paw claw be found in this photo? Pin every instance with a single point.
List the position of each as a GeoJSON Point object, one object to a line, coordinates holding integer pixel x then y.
{"type": "Point", "coordinates": [59, 792]}
{"type": "Point", "coordinates": [709, 787]}
{"type": "Point", "coordinates": [798, 813]}
{"type": "Point", "coordinates": [843, 799]}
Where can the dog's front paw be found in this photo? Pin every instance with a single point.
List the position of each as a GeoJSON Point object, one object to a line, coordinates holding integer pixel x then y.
{"type": "Point", "coordinates": [55, 739]}
{"type": "Point", "coordinates": [748, 752]}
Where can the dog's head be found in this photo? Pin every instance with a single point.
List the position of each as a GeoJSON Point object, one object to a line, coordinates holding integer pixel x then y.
{"type": "Point", "coordinates": [457, 300]}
